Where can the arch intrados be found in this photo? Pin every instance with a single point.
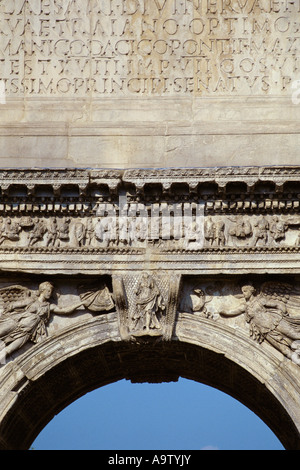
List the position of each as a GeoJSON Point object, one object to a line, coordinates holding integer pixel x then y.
{"type": "Point", "coordinates": [37, 390]}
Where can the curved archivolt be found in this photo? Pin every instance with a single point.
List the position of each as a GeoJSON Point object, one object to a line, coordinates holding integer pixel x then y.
{"type": "Point", "coordinates": [49, 376]}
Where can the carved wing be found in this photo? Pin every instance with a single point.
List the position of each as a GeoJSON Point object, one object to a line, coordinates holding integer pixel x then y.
{"type": "Point", "coordinates": [287, 294]}
{"type": "Point", "coordinates": [14, 293]}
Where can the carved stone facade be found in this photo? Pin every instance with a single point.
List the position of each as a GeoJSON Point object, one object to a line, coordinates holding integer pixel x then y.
{"type": "Point", "coordinates": [163, 261]}
{"type": "Point", "coordinates": [148, 84]}
{"type": "Point", "coordinates": [156, 48]}
{"type": "Point", "coordinates": [148, 227]}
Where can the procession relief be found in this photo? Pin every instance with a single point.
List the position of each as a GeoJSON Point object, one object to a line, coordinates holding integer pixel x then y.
{"type": "Point", "coordinates": [270, 310]}
{"type": "Point", "coordinates": [172, 232]}
{"type": "Point", "coordinates": [252, 231]}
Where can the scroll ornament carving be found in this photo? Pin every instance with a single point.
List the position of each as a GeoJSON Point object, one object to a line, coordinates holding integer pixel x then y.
{"type": "Point", "coordinates": [26, 312]}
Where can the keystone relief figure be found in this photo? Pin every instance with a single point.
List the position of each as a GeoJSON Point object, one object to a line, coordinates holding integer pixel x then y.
{"type": "Point", "coordinates": [272, 314]}
{"type": "Point", "coordinates": [149, 308]}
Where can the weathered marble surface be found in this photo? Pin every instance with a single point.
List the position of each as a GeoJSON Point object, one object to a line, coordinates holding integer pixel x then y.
{"type": "Point", "coordinates": [138, 83]}
{"type": "Point", "coordinates": [207, 287]}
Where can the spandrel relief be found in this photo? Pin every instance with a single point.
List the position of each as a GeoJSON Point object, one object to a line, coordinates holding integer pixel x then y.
{"type": "Point", "coordinates": [270, 310]}
{"type": "Point", "coordinates": [30, 314]}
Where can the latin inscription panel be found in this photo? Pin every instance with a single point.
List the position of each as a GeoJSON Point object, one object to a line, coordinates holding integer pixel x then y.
{"type": "Point", "coordinates": [121, 48]}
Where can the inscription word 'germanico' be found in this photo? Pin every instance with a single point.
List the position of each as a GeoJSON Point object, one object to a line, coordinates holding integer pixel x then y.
{"type": "Point", "coordinates": [148, 47]}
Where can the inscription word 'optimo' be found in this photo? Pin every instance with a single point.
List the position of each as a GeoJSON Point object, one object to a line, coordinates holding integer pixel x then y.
{"type": "Point", "coordinates": [148, 47]}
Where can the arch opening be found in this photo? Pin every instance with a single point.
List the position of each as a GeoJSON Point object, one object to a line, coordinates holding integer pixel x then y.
{"type": "Point", "coordinates": [183, 415]}
{"type": "Point", "coordinates": [44, 395]}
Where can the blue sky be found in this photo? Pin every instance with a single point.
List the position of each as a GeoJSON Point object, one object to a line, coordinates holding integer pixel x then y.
{"type": "Point", "coordinates": [184, 415]}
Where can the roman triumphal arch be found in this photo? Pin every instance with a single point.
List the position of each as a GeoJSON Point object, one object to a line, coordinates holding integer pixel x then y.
{"type": "Point", "coordinates": [149, 275]}
{"type": "Point", "coordinates": [149, 204]}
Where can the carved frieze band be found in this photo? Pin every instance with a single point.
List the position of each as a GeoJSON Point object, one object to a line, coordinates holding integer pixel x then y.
{"type": "Point", "coordinates": [166, 210]}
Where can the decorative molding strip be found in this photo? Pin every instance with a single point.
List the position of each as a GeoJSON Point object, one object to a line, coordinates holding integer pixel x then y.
{"type": "Point", "coordinates": [84, 179]}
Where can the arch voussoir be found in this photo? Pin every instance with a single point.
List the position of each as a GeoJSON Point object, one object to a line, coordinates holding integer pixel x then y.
{"type": "Point", "coordinates": [39, 391]}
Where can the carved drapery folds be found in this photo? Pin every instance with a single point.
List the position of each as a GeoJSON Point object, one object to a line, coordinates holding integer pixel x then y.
{"type": "Point", "coordinates": [130, 241]}
{"type": "Point", "coordinates": [147, 307]}
{"type": "Point", "coordinates": [270, 309]}
{"type": "Point", "coordinates": [26, 312]}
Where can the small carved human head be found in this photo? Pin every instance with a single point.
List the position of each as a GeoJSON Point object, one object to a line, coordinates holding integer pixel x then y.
{"type": "Point", "coordinates": [248, 290]}
{"type": "Point", "coordinates": [46, 288]}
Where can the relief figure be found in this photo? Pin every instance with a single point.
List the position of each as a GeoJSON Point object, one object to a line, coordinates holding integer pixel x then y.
{"type": "Point", "coordinates": [260, 232]}
{"type": "Point", "coordinates": [149, 307]}
{"type": "Point", "coordinates": [52, 232]}
{"type": "Point", "coordinates": [63, 231]}
{"type": "Point", "coordinates": [9, 230]}
{"type": "Point", "coordinates": [273, 315]}
{"type": "Point", "coordinates": [278, 230]}
{"type": "Point", "coordinates": [215, 232]}
{"type": "Point", "coordinates": [89, 231]}
{"type": "Point", "coordinates": [80, 233]}
{"type": "Point", "coordinates": [38, 232]}
{"type": "Point", "coordinates": [241, 229]}
{"type": "Point", "coordinates": [26, 315]}
{"type": "Point", "coordinates": [106, 230]}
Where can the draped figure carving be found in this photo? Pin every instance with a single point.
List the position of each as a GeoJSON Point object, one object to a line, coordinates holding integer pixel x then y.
{"type": "Point", "coordinates": [272, 313]}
